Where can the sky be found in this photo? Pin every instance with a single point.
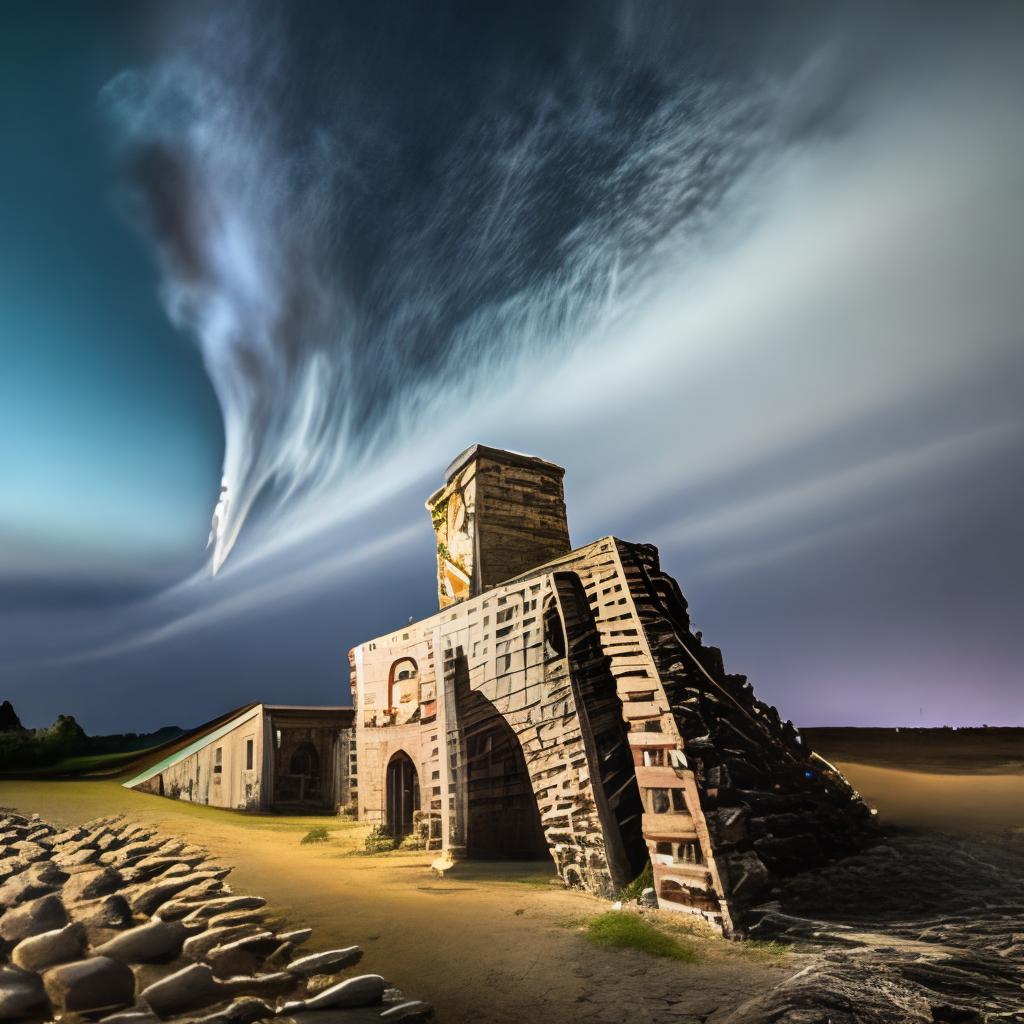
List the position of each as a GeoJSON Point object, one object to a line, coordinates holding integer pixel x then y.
{"type": "Point", "coordinates": [752, 274]}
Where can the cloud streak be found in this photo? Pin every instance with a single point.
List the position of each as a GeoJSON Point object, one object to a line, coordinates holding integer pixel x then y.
{"type": "Point", "coordinates": [754, 283]}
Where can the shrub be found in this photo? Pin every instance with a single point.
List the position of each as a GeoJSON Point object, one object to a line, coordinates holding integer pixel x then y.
{"type": "Point", "coordinates": [379, 841]}
{"type": "Point", "coordinates": [633, 891]}
{"type": "Point", "coordinates": [316, 835]}
{"type": "Point", "coordinates": [620, 929]}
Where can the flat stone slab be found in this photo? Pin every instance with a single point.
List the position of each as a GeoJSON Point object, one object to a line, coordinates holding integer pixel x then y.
{"type": "Point", "coordinates": [107, 912]}
{"type": "Point", "coordinates": [19, 993]}
{"type": "Point", "coordinates": [191, 988]}
{"type": "Point", "coordinates": [91, 884]}
{"type": "Point", "coordinates": [413, 1011]}
{"type": "Point", "coordinates": [86, 986]}
{"type": "Point", "coordinates": [216, 905]}
{"type": "Point", "coordinates": [145, 942]}
{"type": "Point", "coordinates": [328, 962]}
{"type": "Point", "coordinates": [49, 948]}
{"type": "Point", "coordinates": [361, 991]}
{"type": "Point", "coordinates": [199, 946]}
{"type": "Point", "coordinates": [45, 914]}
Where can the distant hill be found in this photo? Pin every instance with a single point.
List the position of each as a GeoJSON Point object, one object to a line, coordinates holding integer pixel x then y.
{"type": "Point", "coordinates": [959, 751]}
{"type": "Point", "coordinates": [65, 748]}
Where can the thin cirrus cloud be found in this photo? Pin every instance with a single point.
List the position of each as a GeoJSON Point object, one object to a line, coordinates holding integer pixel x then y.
{"type": "Point", "coordinates": [817, 377]}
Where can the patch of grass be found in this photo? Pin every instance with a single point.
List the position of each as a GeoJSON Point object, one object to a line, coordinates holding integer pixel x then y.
{"type": "Point", "coordinates": [764, 950]}
{"type": "Point", "coordinates": [316, 835]}
{"type": "Point", "coordinates": [70, 767]}
{"type": "Point", "coordinates": [633, 891]}
{"type": "Point", "coordinates": [618, 929]}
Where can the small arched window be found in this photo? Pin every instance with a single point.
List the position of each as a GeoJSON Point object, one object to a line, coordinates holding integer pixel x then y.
{"type": "Point", "coordinates": [404, 669]}
{"type": "Point", "coordinates": [402, 672]}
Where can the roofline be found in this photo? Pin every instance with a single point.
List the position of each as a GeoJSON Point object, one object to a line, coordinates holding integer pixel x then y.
{"type": "Point", "coordinates": [539, 570]}
{"type": "Point", "coordinates": [238, 718]}
{"type": "Point", "coordinates": [555, 562]}
{"type": "Point", "coordinates": [498, 455]}
{"type": "Point", "coordinates": [309, 707]}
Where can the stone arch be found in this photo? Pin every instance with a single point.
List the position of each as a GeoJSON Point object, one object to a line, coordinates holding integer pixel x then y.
{"type": "Point", "coordinates": [305, 761]}
{"type": "Point", "coordinates": [401, 669]}
{"type": "Point", "coordinates": [402, 792]}
{"type": "Point", "coordinates": [502, 817]}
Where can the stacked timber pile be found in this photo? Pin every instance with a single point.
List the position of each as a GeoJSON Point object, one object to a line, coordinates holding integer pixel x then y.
{"type": "Point", "coordinates": [111, 922]}
{"type": "Point", "coordinates": [773, 807]}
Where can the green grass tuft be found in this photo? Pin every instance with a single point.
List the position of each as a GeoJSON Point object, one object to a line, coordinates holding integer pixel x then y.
{"type": "Point", "coordinates": [316, 835]}
{"type": "Point", "coordinates": [630, 931]}
{"type": "Point", "coordinates": [633, 891]}
{"type": "Point", "coordinates": [759, 949]}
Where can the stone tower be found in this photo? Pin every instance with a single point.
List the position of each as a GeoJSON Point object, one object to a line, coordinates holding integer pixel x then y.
{"type": "Point", "coordinates": [498, 515]}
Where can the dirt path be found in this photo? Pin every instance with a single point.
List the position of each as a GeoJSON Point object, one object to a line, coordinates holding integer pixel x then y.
{"type": "Point", "coordinates": [486, 943]}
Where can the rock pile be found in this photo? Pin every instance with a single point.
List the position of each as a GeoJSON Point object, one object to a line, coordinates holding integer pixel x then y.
{"type": "Point", "coordinates": [922, 928]}
{"type": "Point", "coordinates": [113, 923]}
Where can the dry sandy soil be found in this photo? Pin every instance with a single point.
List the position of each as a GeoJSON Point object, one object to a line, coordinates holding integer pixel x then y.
{"type": "Point", "coordinates": [489, 942]}
{"type": "Point", "coordinates": [486, 943]}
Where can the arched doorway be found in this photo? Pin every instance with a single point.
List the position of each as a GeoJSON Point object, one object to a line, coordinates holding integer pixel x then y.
{"type": "Point", "coordinates": [403, 793]}
{"type": "Point", "coordinates": [502, 818]}
{"type": "Point", "coordinates": [305, 767]}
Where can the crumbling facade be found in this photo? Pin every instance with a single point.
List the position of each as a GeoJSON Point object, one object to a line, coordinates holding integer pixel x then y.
{"type": "Point", "coordinates": [569, 708]}
{"type": "Point", "coordinates": [261, 757]}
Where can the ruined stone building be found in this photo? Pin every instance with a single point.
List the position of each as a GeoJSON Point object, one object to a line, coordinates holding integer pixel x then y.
{"type": "Point", "coordinates": [558, 702]}
{"type": "Point", "coordinates": [262, 757]}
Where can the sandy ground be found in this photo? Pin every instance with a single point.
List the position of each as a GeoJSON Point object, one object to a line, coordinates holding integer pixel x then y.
{"type": "Point", "coordinates": [486, 943]}
{"type": "Point", "coordinates": [489, 942]}
{"type": "Point", "coordinates": [960, 804]}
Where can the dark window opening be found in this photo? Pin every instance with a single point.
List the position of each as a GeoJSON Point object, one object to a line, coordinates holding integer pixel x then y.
{"type": "Point", "coordinates": [690, 853]}
{"type": "Point", "coordinates": [248, 755]}
{"type": "Point", "coordinates": [403, 794]}
{"type": "Point", "coordinates": [657, 801]}
{"type": "Point", "coordinates": [305, 761]}
{"type": "Point", "coordinates": [554, 634]}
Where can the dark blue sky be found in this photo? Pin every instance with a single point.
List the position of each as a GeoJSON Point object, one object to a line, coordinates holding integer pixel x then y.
{"type": "Point", "coordinates": [752, 275]}
{"type": "Point", "coordinates": [110, 431]}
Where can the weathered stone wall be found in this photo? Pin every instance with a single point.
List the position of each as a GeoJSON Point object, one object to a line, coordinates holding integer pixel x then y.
{"type": "Point", "coordinates": [772, 806]}
{"type": "Point", "coordinates": [498, 514]}
{"type": "Point", "coordinates": [636, 741]}
{"type": "Point", "coordinates": [494, 647]}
